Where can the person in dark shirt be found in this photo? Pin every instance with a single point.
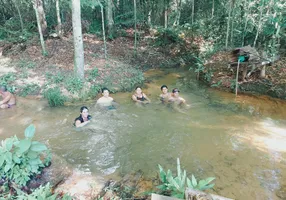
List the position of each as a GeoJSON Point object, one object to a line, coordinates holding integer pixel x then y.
{"type": "Point", "coordinates": [84, 117]}
{"type": "Point", "coordinates": [140, 97]}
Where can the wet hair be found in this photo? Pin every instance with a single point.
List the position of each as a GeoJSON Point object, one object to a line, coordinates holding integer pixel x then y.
{"type": "Point", "coordinates": [164, 86]}
{"type": "Point", "coordinates": [138, 87]}
{"type": "Point", "coordinates": [82, 108]}
{"type": "Point", "coordinates": [3, 88]}
{"type": "Point", "coordinates": [102, 90]}
{"type": "Point", "coordinates": [175, 90]}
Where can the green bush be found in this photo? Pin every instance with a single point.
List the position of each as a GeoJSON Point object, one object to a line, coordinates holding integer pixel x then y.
{"type": "Point", "coordinates": [30, 89]}
{"type": "Point", "coordinates": [93, 74]}
{"type": "Point", "coordinates": [54, 97]}
{"type": "Point", "coordinates": [177, 185]}
{"type": "Point", "coordinates": [20, 160]}
{"type": "Point", "coordinates": [58, 78]}
{"type": "Point", "coordinates": [43, 192]}
{"type": "Point", "coordinates": [167, 36]}
{"type": "Point", "coordinates": [73, 84]}
{"type": "Point", "coordinates": [7, 79]}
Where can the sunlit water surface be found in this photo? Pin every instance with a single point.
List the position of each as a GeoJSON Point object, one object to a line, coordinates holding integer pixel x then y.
{"type": "Point", "coordinates": [240, 141]}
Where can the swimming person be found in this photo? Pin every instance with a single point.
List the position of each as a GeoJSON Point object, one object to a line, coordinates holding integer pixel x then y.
{"type": "Point", "coordinates": [164, 97]}
{"type": "Point", "coordinates": [8, 99]}
{"type": "Point", "coordinates": [176, 99]}
{"type": "Point", "coordinates": [84, 117]}
{"type": "Point", "coordinates": [140, 97]}
{"type": "Point", "coordinates": [106, 101]}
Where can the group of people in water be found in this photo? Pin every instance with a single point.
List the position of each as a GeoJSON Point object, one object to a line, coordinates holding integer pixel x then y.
{"type": "Point", "coordinates": [107, 102]}
{"type": "Point", "coordinates": [138, 97]}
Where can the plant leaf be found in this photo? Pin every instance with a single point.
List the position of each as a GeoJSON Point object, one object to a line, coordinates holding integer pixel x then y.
{"type": "Point", "coordinates": [9, 144]}
{"type": "Point", "coordinates": [194, 181]}
{"type": "Point", "coordinates": [8, 157]}
{"type": "Point", "coordinates": [38, 147]}
{"type": "Point", "coordinates": [24, 145]}
{"type": "Point", "coordinates": [207, 187]}
{"type": "Point", "coordinates": [189, 184]}
{"type": "Point", "coordinates": [16, 159]}
{"type": "Point", "coordinates": [30, 131]}
{"type": "Point", "coordinates": [1, 160]}
{"type": "Point", "coordinates": [162, 174]}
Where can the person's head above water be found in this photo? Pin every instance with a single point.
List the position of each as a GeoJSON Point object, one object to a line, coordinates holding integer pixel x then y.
{"type": "Point", "coordinates": [164, 89]}
{"type": "Point", "coordinates": [105, 92]}
{"type": "Point", "coordinates": [3, 88]}
{"type": "Point", "coordinates": [175, 92]}
{"type": "Point", "coordinates": [138, 90]}
{"type": "Point", "coordinates": [84, 111]}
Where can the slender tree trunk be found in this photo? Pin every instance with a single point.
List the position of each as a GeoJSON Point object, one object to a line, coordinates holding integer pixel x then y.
{"type": "Point", "coordinates": [193, 11]}
{"type": "Point", "coordinates": [166, 16]}
{"type": "Point", "coordinates": [44, 52]}
{"type": "Point", "coordinates": [228, 24]}
{"type": "Point", "coordinates": [178, 16]}
{"type": "Point", "coordinates": [77, 38]}
{"type": "Point", "coordinates": [213, 9]}
{"type": "Point", "coordinates": [103, 29]}
{"type": "Point", "coordinates": [231, 30]}
{"type": "Point", "coordinates": [59, 27]}
{"type": "Point", "coordinates": [109, 16]}
{"type": "Point", "coordinates": [42, 16]}
{"type": "Point", "coordinates": [20, 16]}
{"type": "Point", "coordinates": [135, 29]}
{"type": "Point", "coordinates": [259, 25]}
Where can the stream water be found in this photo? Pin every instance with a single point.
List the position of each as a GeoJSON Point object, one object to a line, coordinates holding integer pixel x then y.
{"type": "Point", "coordinates": [240, 141]}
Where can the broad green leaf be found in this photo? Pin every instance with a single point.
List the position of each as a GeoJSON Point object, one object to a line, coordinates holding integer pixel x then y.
{"type": "Point", "coordinates": [30, 131]}
{"type": "Point", "coordinates": [16, 159]}
{"type": "Point", "coordinates": [169, 174]}
{"type": "Point", "coordinates": [38, 147]}
{"type": "Point", "coordinates": [162, 174]}
{"type": "Point", "coordinates": [32, 154]}
{"type": "Point", "coordinates": [7, 167]}
{"type": "Point", "coordinates": [1, 160]}
{"type": "Point", "coordinates": [207, 186]}
{"type": "Point", "coordinates": [202, 183]}
{"type": "Point", "coordinates": [209, 179]}
{"type": "Point", "coordinates": [162, 187]}
{"type": "Point", "coordinates": [194, 181]}
{"type": "Point", "coordinates": [35, 161]}
{"type": "Point", "coordinates": [24, 145]}
{"type": "Point", "coordinates": [189, 184]}
{"type": "Point", "coordinates": [9, 144]}
{"type": "Point", "coordinates": [8, 157]}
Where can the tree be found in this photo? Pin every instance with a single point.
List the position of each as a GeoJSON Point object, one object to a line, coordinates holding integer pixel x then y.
{"type": "Point", "coordinates": [77, 39]}
{"type": "Point", "coordinates": [38, 4]}
{"type": "Point", "coordinates": [109, 17]}
{"type": "Point", "coordinates": [59, 27]}
{"type": "Point", "coordinates": [44, 52]}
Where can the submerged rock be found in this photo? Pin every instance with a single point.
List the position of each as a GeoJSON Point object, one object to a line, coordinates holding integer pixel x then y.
{"type": "Point", "coordinates": [81, 185]}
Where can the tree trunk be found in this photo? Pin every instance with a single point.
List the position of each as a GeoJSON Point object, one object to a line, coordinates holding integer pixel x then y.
{"type": "Point", "coordinates": [42, 16]}
{"type": "Point", "coordinates": [228, 24]}
{"type": "Point", "coordinates": [103, 29]}
{"type": "Point", "coordinates": [109, 16]}
{"type": "Point", "coordinates": [77, 38]}
{"type": "Point", "coordinates": [213, 9]}
{"type": "Point", "coordinates": [259, 25]}
{"type": "Point", "coordinates": [20, 16]}
{"type": "Point", "coordinates": [193, 11]}
{"type": "Point", "coordinates": [135, 28]}
{"type": "Point", "coordinates": [166, 16]}
{"type": "Point", "coordinates": [178, 16]}
{"type": "Point", "coordinates": [59, 27]}
{"type": "Point", "coordinates": [44, 52]}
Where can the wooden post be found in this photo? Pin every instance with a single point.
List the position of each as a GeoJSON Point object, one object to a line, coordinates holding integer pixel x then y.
{"type": "Point", "coordinates": [236, 80]}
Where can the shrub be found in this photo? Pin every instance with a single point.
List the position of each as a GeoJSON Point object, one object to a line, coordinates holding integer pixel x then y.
{"type": "Point", "coordinates": [20, 160]}
{"type": "Point", "coordinates": [73, 84]}
{"type": "Point", "coordinates": [27, 64]}
{"type": "Point", "coordinates": [30, 89]}
{"type": "Point", "coordinates": [93, 74]}
{"type": "Point", "coordinates": [54, 97]}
